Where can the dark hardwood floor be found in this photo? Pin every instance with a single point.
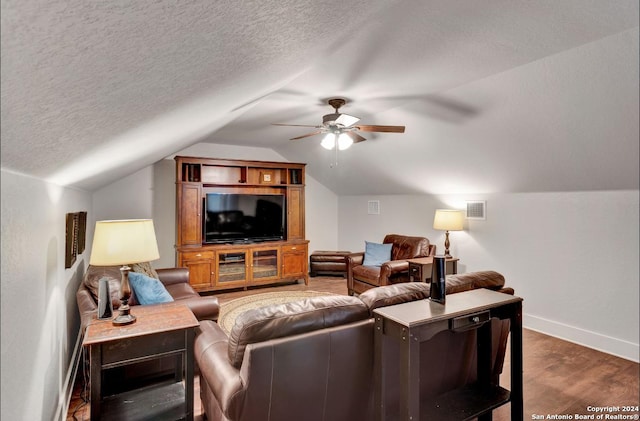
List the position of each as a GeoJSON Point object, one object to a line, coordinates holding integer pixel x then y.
{"type": "Point", "coordinates": [560, 378]}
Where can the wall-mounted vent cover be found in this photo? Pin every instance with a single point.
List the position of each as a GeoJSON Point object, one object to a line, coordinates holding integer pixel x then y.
{"type": "Point", "coordinates": [477, 209]}
{"type": "Point", "coordinates": [373, 207]}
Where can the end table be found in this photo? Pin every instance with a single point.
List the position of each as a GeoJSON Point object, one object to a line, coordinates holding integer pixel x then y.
{"type": "Point", "coordinates": [158, 332]}
{"type": "Point", "coordinates": [420, 269]}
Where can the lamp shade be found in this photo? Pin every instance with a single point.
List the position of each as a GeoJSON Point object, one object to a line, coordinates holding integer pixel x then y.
{"type": "Point", "coordinates": [344, 141]}
{"type": "Point", "coordinates": [448, 220]}
{"type": "Point", "coordinates": [329, 141]}
{"type": "Point", "coordinates": [124, 242]}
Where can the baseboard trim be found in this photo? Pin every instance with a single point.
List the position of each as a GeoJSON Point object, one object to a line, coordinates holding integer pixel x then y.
{"type": "Point", "coordinates": [597, 341]}
{"type": "Point", "coordinates": [65, 399]}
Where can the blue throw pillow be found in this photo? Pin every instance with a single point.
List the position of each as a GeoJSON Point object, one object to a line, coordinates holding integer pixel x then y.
{"type": "Point", "coordinates": [148, 290]}
{"type": "Point", "coordinates": [376, 254]}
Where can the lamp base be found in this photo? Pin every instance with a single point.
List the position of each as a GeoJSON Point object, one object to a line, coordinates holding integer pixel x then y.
{"type": "Point", "coordinates": [446, 246]}
{"type": "Point", "coordinates": [125, 317]}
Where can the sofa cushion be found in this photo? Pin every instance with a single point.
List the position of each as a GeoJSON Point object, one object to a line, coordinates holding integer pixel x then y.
{"type": "Point", "coordinates": [92, 278]}
{"type": "Point", "coordinates": [369, 273]}
{"type": "Point", "coordinates": [376, 254]}
{"type": "Point", "coordinates": [144, 268]}
{"type": "Point", "coordinates": [410, 291]}
{"type": "Point", "coordinates": [279, 320]}
{"type": "Point", "coordinates": [474, 280]}
{"type": "Point", "coordinates": [148, 290]}
{"type": "Point", "coordinates": [407, 247]}
{"type": "Point", "coordinates": [389, 295]}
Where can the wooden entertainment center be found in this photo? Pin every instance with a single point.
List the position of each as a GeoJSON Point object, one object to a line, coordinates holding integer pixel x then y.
{"type": "Point", "coordinates": [239, 263]}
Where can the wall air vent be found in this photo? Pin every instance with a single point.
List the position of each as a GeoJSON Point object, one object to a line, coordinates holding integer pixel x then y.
{"type": "Point", "coordinates": [373, 207]}
{"type": "Point", "coordinates": [477, 209]}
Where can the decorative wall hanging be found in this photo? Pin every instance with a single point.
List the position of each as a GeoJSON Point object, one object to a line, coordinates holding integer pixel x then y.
{"type": "Point", "coordinates": [75, 238]}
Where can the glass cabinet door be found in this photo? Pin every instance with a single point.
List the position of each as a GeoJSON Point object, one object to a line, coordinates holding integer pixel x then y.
{"type": "Point", "coordinates": [232, 266]}
{"type": "Point", "coordinates": [264, 264]}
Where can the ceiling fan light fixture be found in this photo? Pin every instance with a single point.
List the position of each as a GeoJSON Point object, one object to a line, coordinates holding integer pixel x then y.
{"type": "Point", "coordinates": [344, 142]}
{"type": "Point", "coordinates": [340, 129]}
{"type": "Point", "coordinates": [329, 141]}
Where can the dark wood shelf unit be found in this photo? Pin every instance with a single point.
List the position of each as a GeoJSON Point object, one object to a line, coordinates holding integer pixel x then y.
{"type": "Point", "coordinates": [466, 403]}
{"type": "Point", "coordinates": [163, 402]}
{"type": "Point", "coordinates": [287, 259]}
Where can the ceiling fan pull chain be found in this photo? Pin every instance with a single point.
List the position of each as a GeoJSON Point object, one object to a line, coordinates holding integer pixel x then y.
{"type": "Point", "coordinates": [335, 161]}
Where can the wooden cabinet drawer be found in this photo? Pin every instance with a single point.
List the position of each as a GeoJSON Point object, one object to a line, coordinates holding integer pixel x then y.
{"type": "Point", "coordinates": [293, 248]}
{"type": "Point", "coordinates": [197, 255]}
{"type": "Point", "coordinates": [469, 321]}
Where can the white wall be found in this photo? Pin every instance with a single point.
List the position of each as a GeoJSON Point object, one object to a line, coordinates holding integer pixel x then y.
{"type": "Point", "coordinates": [128, 198]}
{"type": "Point", "coordinates": [40, 319]}
{"type": "Point", "coordinates": [164, 211]}
{"type": "Point", "coordinates": [150, 193]}
{"type": "Point", "coordinates": [573, 257]}
{"type": "Point", "coordinates": [321, 220]}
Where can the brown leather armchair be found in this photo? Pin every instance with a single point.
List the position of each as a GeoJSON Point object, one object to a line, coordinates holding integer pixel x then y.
{"type": "Point", "coordinates": [361, 278]}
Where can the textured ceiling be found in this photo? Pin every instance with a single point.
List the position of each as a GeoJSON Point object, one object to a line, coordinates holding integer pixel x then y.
{"type": "Point", "coordinates": [496, 95]}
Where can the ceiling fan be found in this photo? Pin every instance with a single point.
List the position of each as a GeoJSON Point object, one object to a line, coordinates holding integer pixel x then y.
{"type": "Point", "coordinates": [341, 129]}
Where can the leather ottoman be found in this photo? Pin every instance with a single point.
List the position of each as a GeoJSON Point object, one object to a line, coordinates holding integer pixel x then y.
{"type": "Point", "coordinates": [327, 262]}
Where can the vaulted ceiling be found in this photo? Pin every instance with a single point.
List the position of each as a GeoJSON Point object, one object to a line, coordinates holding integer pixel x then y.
{"type": "Point", "coordinates": [496, 95]}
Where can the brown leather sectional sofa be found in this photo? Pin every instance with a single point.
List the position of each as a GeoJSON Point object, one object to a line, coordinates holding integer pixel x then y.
{"type": "Point", "coordinates": [313, 359]}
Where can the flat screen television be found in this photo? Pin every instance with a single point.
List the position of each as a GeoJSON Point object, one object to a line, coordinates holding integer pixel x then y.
{"type": "Point", "coordinates": [233, 218]}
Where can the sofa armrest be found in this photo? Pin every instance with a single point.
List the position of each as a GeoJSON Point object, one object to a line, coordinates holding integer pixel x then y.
{"type": "Point", "coordinates": [204, 308]}
{"type": "Point", "coordinates": [223, 379]}
{"type": "Point", "coordinates": [390, 268]}
{"type": "Point", "coordinates": [396, 266]}
{"type": "Point", "coordinates": [506, 290]}
{"type": "Point", "coordinates": [354, 259]}
{"type": "Point", "coordinates": [171, 276]}
{"type": "Point", "coordinates": [86, 306]}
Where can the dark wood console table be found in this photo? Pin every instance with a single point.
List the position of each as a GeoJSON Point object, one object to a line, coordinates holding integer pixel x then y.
{"type": "Point", "coordinates": [159, 331]}
{"type": "Point", "coordinates": [418, 321]}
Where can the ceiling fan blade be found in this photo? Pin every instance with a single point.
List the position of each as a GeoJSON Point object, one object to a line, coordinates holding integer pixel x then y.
{"type": "Point", "coordinates": [306, 135]}
{"type": "Point", "coordinates": [293, 125]}
{"type": "Point", "coordinates": [356, 137]}
{"type": "Point", "coordinates": [383, 129]}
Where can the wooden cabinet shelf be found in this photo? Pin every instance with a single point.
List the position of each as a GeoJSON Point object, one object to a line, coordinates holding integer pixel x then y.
{"type": "Point", "coordinates": [228, 172]}
{"type": "Point", "coordinates": [467, 403]}
{"type": "Point", "coordinates": [228, 265]}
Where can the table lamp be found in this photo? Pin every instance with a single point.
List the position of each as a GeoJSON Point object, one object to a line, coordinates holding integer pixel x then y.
{"type": "Point", "coordinates": [448, 220]}
{"type": "Point", "coordinates": [124, 242]}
